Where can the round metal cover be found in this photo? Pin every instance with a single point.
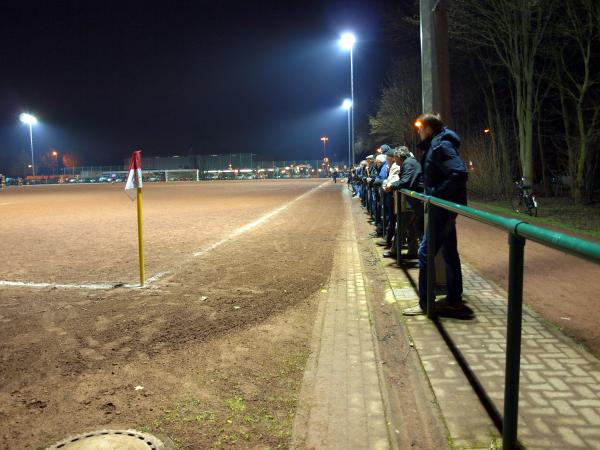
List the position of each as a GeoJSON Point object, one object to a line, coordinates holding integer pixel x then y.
{"type": "Point", "coordinates": [110, 440]}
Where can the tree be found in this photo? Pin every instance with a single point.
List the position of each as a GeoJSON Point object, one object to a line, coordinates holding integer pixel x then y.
{"type": "Point", "coordinates": [398, 106]}
{"type": "Point", "coordinates": [514, 30]}
{"type": "Point", "coordinates": [70, 160]}
{"type": "Point", "coordinates": [576, 78]}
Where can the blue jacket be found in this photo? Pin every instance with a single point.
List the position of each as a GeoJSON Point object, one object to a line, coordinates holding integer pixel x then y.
{"type": "Point", "coordinates": [444, 172]}
{"type": "Point", "coordinates": [383, 174]}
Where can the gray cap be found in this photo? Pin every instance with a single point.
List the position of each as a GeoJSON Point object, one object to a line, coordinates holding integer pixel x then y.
{"type": "Point", "coordinates": [402, 152]}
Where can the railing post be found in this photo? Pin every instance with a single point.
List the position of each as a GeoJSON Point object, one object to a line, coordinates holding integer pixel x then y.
{"type": "Point", "coordinates": [513, 341]}
{"type": "Point", "coordinates": [397, 242]}
{"type": "Point", "coordinates": [431, 237]}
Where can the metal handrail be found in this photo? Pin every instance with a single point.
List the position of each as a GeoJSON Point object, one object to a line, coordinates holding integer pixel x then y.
{"type": "Point", "coordinates": [518, 232]}
{"type": "Point", "coordinates": [575, 246]}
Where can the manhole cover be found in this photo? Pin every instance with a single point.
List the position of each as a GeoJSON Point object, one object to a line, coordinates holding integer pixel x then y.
{"type": "Point", "coordinates": [110, 440]}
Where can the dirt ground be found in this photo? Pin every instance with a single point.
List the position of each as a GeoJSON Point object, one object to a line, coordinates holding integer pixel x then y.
{"type": "Point", "coordinates": [210, 357]}
{"type": "Point", "coordinates": [88, 233]}
{"type": "Point", "coordinates": [563, 289]}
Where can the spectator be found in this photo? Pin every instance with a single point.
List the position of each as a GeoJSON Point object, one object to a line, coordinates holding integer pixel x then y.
{"type": "Point", "coordinates": [377, 185]}
{"type": "Point", "coordinates": [410, 177]}
{"type": "Point", "coordinates": [388, 198]}
{"type": "Point", "coordinates": [444, 176]}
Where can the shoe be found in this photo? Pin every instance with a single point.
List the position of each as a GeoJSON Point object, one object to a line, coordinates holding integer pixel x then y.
{"type": "Point", "coordinates": [389, 255]}
{"type": "Point", "coordinates": [453, 310]}
{"type": "Point", "coordinates": [409, 256]}
{"type": "Point", "coordinates": [374, 234]}
{"type": "Point", "coordinates": [382, 243]}
{"type": "Point", "coordinates": [371, 222]}
{"type": "Point", "coordinates": [414, 311]}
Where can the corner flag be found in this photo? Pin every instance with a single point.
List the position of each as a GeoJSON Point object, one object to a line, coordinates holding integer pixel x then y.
{"type": "Point", "coordinates": [134, 180]}
{"type": "Point", "coordinates": [133, 188]}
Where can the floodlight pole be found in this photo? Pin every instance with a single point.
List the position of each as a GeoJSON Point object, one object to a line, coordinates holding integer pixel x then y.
{"type": "Point", "coordinates": [350, 161]}
{"type": "Point", "coordinates": [435, 79]}
{"type": "Point", "coordinates": [31, 144]}
{"type": "Point", "coordinates": [352, 98]}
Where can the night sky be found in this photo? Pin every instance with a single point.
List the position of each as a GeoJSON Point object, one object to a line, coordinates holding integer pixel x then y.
{"type": "Point", "coordinates": [175, 78]}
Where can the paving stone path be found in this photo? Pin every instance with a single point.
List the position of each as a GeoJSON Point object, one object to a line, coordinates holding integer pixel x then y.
{"type": "Point", "coordinates": [341, 403]}
{"type": "Point", "coordinates": [560, 381]}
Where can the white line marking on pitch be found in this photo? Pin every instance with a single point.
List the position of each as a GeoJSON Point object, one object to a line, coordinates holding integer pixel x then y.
{"type": "Point", "coordinates": [233, 235]}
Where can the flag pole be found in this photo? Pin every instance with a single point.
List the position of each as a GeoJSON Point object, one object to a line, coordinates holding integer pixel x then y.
{"type": "Point", "coordinates": [140, 234]}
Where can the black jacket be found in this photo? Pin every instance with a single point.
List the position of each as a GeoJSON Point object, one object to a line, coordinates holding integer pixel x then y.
{"type": "Point", "coordinates": [410, 176]}
{"type": "Point", "coordinates": [444, 172]}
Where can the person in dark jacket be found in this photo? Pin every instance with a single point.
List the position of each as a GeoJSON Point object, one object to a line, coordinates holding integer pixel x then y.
{"type": "Point", "coordinates": [377, 184]}
{"type": "Point", "coordinates": [410, 177]}
{"type": "Point", "coordinates": [444, 176]}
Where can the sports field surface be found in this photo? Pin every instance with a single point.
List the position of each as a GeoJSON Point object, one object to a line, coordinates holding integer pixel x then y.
{"type": "Point", "coordinates": [212, 352]}
{"type": "Point", "coordinates": [231, 313]}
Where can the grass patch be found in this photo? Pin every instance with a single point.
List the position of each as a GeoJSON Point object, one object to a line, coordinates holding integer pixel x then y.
{"type": "Point", "coordinates": [229, 418]}
{"type": "Point", "coordinates": [556, 213]}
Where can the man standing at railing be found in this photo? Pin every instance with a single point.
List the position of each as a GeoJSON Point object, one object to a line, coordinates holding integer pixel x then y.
{"type": "Point", "coordinates": [444, 176]}
{"type": "Point", "coordinates": [411, 178]}
{"type": "Point", "coordinates": [381, 177]}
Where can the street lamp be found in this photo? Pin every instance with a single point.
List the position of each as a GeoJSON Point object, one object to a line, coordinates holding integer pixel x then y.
{"type": "Point", "coordinates": [55, 154]}
{"type": "Point", "coordinates": [347, 105]}
{"type": "Point", "coordinates": [347, 41]}
{"type": "Point", "coordinates": [30, 120]}
{"type": "Point", "coordinates": [324, 139]}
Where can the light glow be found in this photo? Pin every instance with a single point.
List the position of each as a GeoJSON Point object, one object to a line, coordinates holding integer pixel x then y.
{"type": "Point", "coordinates": [347, 104]}
{"type": "Point", "coordinates": [347, 41]}
{"type": "Point", "coordinates": [28, 119]}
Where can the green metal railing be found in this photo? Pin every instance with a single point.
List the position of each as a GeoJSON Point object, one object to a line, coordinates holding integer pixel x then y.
{"type": "Point", "coordinates": [518, 232]}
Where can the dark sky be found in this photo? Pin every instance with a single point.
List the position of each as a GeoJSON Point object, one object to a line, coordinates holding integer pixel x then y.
{"type": "Point", "coordinates": [106, 77]}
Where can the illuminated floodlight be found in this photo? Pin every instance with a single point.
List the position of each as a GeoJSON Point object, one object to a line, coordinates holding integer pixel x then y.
{"type": "Point", "coordinates": [28, 119]}
{"type": "Point", "coordinates": [347, 41]}
{"type": "Point", "coordinates": [347, 104]}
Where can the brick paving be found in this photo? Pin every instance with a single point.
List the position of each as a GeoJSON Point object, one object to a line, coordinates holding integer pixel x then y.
{"type": "Point", "coordinates": [341, 403]}
{"type": "Point", "coordinates": [560, 381]}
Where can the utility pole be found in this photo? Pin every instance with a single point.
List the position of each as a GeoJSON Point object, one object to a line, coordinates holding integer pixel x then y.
{"type": "Point", "coordinates": [435, 80]}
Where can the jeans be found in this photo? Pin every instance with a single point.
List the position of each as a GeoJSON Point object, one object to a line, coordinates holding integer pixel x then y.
{"type": "Point", "coordinates": [445, 231]}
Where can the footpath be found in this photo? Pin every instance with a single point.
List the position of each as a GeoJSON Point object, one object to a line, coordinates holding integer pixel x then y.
{"type": "Point", "coordinates": [347, 400]}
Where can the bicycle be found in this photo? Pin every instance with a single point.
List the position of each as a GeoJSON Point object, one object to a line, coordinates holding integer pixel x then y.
{"type": "Point", "coordinates": [524, 200]}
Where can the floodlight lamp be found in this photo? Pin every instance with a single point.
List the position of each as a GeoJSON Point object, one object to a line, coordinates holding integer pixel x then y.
{"type": "Point", "coordinates": [28, 119]}
{"type": "Point", "coordinates": [347, 41]}
{"type": "Point", "coordinates": [347, 104]}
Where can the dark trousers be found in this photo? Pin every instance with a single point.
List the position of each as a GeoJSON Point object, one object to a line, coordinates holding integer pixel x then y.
{"type": "Point", "coordinates": [445, 231]}
{"type": "Point", "coordinates": [390, 217]}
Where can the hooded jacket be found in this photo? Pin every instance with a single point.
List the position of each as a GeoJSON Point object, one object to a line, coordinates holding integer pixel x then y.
{"type": "Point", "coordinates": [444, 172]}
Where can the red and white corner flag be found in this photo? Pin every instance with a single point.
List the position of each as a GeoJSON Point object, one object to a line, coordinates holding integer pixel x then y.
{"type": "Point", "coordinates": [134, 180]}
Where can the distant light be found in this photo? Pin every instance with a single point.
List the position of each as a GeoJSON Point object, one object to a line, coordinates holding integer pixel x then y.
{"type": "Point", "coordinates": [347, 104]}
{"type": "Point", "coordinates": [324, 138]}
{"type": "Point", "coordinates": [418, 124]}
{"type": "Point", "coordinates": [347, 41]}
{"type": "Point", "coordinates": [28, 119]}
{"type": "Point", "coordinates": [54, 153]}
{"type": "Point", "coordinates": [486, 131]}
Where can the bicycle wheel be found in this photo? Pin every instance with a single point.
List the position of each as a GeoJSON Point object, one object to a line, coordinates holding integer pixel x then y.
{"type": "Point", "coordinates": [516, 203]}
{"type": "Point", "coordinates": [531, 207]}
